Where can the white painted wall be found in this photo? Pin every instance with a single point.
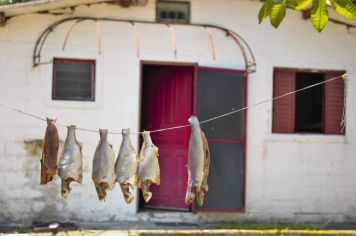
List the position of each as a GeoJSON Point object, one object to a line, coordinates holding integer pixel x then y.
{"type": "Point", "coordinates": [294, 178]}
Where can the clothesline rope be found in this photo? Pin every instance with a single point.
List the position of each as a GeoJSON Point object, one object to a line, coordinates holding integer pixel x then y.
{"type": "Point", "coordinates": [202, 122]}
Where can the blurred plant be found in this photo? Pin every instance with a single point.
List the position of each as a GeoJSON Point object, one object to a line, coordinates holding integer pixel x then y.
{"type": "Point", "coordinates": [276, 10]}
{"type": "Point", "coordinates": [3, 2]}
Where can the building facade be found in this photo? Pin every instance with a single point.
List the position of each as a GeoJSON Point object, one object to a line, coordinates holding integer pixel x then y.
{"type": "Point", "coordinates": [282, 161]}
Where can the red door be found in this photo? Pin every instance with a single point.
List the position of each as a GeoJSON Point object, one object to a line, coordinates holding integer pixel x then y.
{"type": "Point", "coordinates": [167, 100]}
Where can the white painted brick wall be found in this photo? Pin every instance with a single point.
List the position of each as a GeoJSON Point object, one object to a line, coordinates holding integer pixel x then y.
{"type": "Point", "coordinates": [290, 178]}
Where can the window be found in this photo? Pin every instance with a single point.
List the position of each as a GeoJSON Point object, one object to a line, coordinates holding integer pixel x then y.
{"type": "Point", "coordinates": [169, 11]}
{"type": "Point", "coordinates": [73, 80]}
{"type": "Point", "coordinates": [315, 110]}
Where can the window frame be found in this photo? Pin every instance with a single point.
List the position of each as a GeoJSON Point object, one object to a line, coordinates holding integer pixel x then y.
{"type": "Point", "coordinates": [326, 73]}
{"type": "Point", "coordinates": [158, 19]}
{"type": "Point", "coordinates": [92, 62]}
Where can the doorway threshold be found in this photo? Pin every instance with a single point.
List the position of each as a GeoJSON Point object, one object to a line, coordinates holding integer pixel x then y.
{"type": "Point", "coordinates": [162, 209]}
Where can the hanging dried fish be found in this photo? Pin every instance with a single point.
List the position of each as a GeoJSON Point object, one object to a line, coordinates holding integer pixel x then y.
{"type": "Point", "coordinates": [198, 163]}
{"type": "Point", "coordinates": [148, 169]}
{"type": "Point", "coordinates": [126, 166]}
{"type": "Point", "coordinates": [103, 173]}
{"type": "Point", "coordinates": [71, 162]}
{"type": "Point", "coordinates": [50, 152]}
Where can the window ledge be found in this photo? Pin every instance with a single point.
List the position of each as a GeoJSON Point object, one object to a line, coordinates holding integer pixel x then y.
{"type": "Point", "coordinates": [308, 138]}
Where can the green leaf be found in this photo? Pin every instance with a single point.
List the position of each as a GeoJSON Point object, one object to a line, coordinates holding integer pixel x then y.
{"type": "Point", "coordinates": [319, 14]}
{"type": "Point", "coordinates": [278, 12]}
{"type": "Point", "coordinates": [265, 10]}
{"type": "Point", "coordinates": [345, 8]}
{"type": "Point", "coordinates": [301, 4]}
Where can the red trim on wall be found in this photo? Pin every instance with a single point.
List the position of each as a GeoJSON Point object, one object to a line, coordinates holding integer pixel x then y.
{"type": "Point", "coordinates": [195, 90]}
{"type": "Point", "coordinates": [216, 140]}
{"type": "Point", "coordinates": [219, 69]}
{"type": "Point", "coordinates": [245, 79]}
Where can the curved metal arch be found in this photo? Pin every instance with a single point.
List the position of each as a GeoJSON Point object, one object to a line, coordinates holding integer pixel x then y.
{"type": "Point", "coordinates": [249, 58]}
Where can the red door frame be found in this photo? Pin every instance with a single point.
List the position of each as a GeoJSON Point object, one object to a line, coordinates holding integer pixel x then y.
{"type": "Point", "coordinates": [195, 111]}
{"type": "Point", "coordinates": [162, 63]}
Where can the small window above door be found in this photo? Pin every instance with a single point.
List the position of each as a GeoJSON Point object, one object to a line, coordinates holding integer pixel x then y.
{"type": "Point", "coordinates": [173, 11]}
{"type": "Point", "coordinates": [73, 80]}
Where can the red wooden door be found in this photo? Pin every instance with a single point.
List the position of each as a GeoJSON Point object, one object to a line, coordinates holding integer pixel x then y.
{"type": "Point", "coordinates": [167, 100]}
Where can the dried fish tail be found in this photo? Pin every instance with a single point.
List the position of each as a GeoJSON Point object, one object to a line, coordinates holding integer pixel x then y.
{"type": "Point", "coordinates": [125, 188]}
{"type": "Point", "coordinates": [147, 195]}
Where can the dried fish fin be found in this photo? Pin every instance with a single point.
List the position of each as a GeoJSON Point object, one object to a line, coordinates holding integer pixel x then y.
{"type": "Point", "coordinates": [190, 195]}
{"type": "Point", "coordinates": [65, 190]}
{"type": "Point", "coordinates": [206, 162]}
{"type": "Point", "coordinates": [131, 183]}
{"type": "Point", "coordinates": [204, 186]}
{"type": "Point", "coordinates": [101, 189]}
{"type": "Point", "coordinates": [125, 188]}
{"type": "Point", "coordinates": [200, 196]}
{"type": "Point", "coordinates": [147, 195]}
{"type": "Point", "coordinates": [45, 177]}
{"type": "Point", "coordinates": [158, 180]}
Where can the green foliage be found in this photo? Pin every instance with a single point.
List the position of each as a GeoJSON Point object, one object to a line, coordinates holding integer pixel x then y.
{"type": "Point", "coordinates": [319, 14]}
{"type": "Point", "coordinates": [271, 227]}
{"type": "Point", "coordinates": [276, 10]}
{"type": "Point", "coordinates": [3, 2]}
{"type": "Point", "coordinates": [278, 13]}
{"type": "Point", "coordinates": [21, 229]}
{"type": "Point", "coordinates": [265, 10]}
{"type": "Point", "coordinates": [345, 8]}
{"type": "Point", "coordinates": [299, 5]}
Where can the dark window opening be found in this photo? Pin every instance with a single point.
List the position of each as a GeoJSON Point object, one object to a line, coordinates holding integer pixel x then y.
{"type": "Point", "coordinates": [309, 103]}
{"type": "Point", "coordinates": [73, 80]}
{"type": "Point", "coordinates": [170, 11]}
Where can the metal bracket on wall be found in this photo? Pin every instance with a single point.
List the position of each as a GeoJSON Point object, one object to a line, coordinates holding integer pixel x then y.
{"type": "Point", "coordinates": [249, 58]}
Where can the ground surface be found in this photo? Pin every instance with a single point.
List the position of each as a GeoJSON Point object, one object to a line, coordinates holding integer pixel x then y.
{"type": "Point", "coordinates": [150, 228]}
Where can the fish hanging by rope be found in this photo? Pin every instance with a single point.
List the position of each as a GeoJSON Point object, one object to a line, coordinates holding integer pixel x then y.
{"type": "Point", "coordinates": [148, 168]}
{"type": "Point", "coordinates": [198, 163]}
{"type": "Point", "coordinates": [103, 174]}
{"type": "Point", "coordinates": [71, 162]}
{"type": "Point", "coordinates": [126, 166]}
{"type": "Point", "coordinates": [50, 152]}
